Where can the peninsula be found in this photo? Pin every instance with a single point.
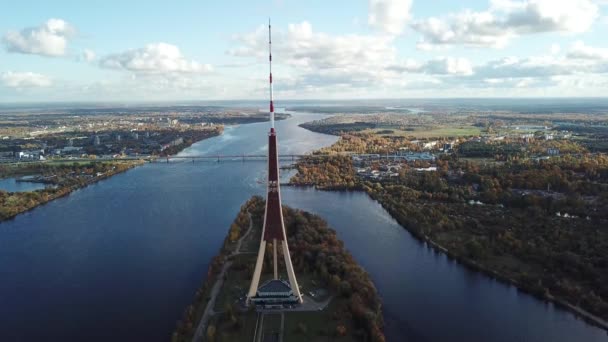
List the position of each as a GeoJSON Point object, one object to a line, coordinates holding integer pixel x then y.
{"type": "Point", "coordinates": [340, 300]}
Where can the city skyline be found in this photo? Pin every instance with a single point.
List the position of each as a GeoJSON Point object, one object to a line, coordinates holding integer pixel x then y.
{"type": "Point", "coordinates": [342, 50]}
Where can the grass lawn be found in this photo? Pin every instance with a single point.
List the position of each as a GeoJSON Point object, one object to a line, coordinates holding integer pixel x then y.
{"type": "Point", "coordinates": [243, 332]}
{"type": "Point", "coordinates": [318, 325]}
{"type": "Point", "coordinates": [236, 283]}
{"type": "Point", "coordinates": [435, 132]}
{"type": "Point", "coordinates": [482, 161]}
{"type": "Point", "coordinates": [252, 242]}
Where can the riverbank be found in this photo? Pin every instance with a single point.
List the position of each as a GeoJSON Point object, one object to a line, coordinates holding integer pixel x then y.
{"type": "Point", "coordinates": [529, 249]}
{"type": "Point", "coordinates": [66, 177]}
{"type": "Point", "coordinates": [349, 308]}
{"type": "Point", "coordinates": [81, 175]}
{"type": "Point", "coordinates": [497, 274]}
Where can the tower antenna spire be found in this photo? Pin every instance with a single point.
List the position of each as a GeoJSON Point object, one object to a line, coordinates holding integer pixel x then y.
{"type": "Point", "coordinates": [270, 67]}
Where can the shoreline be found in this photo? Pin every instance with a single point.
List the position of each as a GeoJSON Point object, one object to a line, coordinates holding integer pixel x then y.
{"type": "Point", "coordinates": [66, 191]}
{"type": "Point", "coordinates": [470, 264]}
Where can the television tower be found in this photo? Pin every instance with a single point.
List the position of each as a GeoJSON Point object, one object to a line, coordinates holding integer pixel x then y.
{"type": "Point", "coordinates": [273, 230]}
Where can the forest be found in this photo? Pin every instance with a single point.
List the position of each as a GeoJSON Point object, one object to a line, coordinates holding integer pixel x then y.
{"type": "Point", "coordinates": [540, 224]}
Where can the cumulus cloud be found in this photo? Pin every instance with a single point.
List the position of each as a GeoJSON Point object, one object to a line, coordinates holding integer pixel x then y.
{"type": "Point", "coordinates": [504, 20]}
{"type": "Point", "coordinates": [24, 79]}
{"type": "Point", "coordinates": [389, 16]}
{"type": "Point", "coordinates": [88, 55]}
{"type": "Point", "coordinates": [580, 61]}
{"type": "Point", "coordinates": [302, 47]}
{"type": "Point", "coordinates": [155, 58]}
{"type": "Point", "coordinates": [437, 66]}
{"type": "Point", "coordinates": [580, 50]}
{"type": "Point", "coordinates": [514, 67]}
{"type": "Point", "coordinates": [314, 62]}
{"type": "Point", "coordinates": [48, 39]}
{"type": "Point", "coordinates": [448, 66]}
{"type": "Point", "coordinates": [318, 57]}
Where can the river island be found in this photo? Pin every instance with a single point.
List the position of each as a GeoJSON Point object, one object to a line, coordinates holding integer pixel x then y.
{"type": "Point", "coordinates": [341, 302]}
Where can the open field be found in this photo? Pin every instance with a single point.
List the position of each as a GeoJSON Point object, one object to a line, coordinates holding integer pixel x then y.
{"type": "Point", "coordinates": [431, 132]}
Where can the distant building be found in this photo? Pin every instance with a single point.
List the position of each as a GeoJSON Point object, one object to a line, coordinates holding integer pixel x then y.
{"type": "Point", "coordinates": [175, 142]}
{"type": "Point", "coordinates": [527, 137]}
{"type": "Point", "coordinates": [426, 169]}
{"type": "Point", "coordinates": [96, 140]}
{"type": "Point", "coordinates": [429, 145]}
{"type": "Point", "coordinates": [419, 156]}
{"type": "Point", "coordinates": [553, 151]}
{"type": "Point", "coordinates": [34, 154]}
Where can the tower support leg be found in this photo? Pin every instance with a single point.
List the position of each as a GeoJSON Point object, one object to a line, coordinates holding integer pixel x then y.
{"type": "Point", "coordinates": [274, 257]}
{"type": "Point", "coordinates": [255, 280]}
{"type": "Point", "coordinates": [290, 273]}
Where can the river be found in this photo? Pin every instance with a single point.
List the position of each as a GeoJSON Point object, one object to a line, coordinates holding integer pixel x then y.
{"type": "Point", "coordinates": [121, 259]}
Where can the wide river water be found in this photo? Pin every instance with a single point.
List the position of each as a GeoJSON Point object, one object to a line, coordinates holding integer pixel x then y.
{"type": "Point", "coordinates": [121, 259]}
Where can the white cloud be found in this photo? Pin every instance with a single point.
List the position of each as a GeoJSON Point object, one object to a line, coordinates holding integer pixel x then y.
{"type": "Point", "coordinates": [155, 58]}
{"type": "Point", "coordinates": [311, 62]}
{"type": "Point", "coordinates": [389, 16]}
{"type": "Point", "coordinates": [449, 66]}
{"type": "Point", "coordinates": [318, 57]}
{"type": "Point", "coordinates": [504, 20]}
{"type": "Point", "coordinates": [88, 55]}
{"type": "Point", "coordinates": [24, 79]}
{"type": "Point", "coordinates": [48, 39]}
{"type": "Point", "coordinates": [302, 47]}
{"type": "Point", "coordinates": [581, 51]}
{"type": "Point", "coordinates": [467, 28]}
{"type": "Point", "coordinates": [437, 66]}
{"type": "Point", "coordinates": [579, 60]}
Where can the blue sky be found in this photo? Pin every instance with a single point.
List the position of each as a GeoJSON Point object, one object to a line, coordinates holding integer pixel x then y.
{"type": "Point", "coordinates": [203, 50]}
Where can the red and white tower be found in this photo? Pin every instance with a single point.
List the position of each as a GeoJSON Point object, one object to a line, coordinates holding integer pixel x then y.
{"type": "Point", "coordinates": [274, 227]}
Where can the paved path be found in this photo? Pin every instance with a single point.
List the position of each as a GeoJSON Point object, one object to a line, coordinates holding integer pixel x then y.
{"type": "Point", "coordinates": [237, 250]}
{"type": "Point", "coordinates": [200, 329]}
{"type": "Point", "coordinates": [308, 305]}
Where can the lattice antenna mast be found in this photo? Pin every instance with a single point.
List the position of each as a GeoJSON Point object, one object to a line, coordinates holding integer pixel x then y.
{"type": "Point", "coordinates": [270, 66]}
